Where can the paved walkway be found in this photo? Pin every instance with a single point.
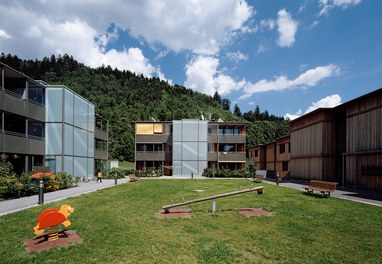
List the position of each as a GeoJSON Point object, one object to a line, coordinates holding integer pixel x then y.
{"type": "Point", "coordinates": [352, 194]}
{"type": "Point", "coordinates": [9, 206]}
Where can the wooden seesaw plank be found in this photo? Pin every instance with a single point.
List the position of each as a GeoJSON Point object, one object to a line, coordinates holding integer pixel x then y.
{"type": "Point", "coordinates": [167, 207]}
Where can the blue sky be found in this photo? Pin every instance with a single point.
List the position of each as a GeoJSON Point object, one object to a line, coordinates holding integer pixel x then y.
{"type": "Point", "coordinates": [289, 57]}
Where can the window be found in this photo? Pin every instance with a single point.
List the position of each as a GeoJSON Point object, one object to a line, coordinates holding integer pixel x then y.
{"type": "Point", "coordinates": [256, 153]}
{"type": "Point", "coordinates": [282, 148]}
{"type": "Point", "coordinates": [285, 165]}
{"type": "Point", "coordinates": [288, 147]}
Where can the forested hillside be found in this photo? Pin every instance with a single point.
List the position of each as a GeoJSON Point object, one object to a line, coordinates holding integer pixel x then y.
{"type": "Point", "coordinates": [123, 97]}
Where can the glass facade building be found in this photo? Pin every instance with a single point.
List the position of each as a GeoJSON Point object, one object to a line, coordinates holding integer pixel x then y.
{"type": "Point", "coordinates": [69, 130]}
{"type": "Point", "coordinates": [185, 148]}
{"type": "Point", "coordinates": [189, 147]}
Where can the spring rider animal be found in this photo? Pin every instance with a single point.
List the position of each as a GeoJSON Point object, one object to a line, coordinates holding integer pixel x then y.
{"type": "Point", "coordinates": [50, 219]}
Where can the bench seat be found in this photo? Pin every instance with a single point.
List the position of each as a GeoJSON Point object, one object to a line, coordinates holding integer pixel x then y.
{"type": "Point", "coordinates": [132, 177]}
{"type": "Point", "coordinates": [324, 187]}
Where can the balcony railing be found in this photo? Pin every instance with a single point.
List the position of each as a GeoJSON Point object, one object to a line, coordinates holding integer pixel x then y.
{"type": "Point", "coordinates": [17, 95]}
{"type": "Point", "coordinates": [231, 156]}
{"type": "Point", "coordinates": [16, 134]}
{"type": "Point", "coordinates": [160, 138]}
{"type": "Point", "coordinates": [150, 155]}
{"type": "Point", "coordinates": [232, 139]}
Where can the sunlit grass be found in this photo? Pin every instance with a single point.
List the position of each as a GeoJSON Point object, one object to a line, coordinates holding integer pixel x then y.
{"type": "Point", "coordinates": [119, 225]}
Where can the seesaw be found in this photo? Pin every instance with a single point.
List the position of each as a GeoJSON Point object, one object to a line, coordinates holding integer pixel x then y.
{"type": "Point", "coordinates": [167, 207]}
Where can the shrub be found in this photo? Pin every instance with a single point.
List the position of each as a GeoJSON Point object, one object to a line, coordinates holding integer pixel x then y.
{"type": "Point", "coordinates": [115, 173]}
{"type": "Point", "coordinates": [65, 180]}
{"type": "Point", "coordinates": [9, 186]}
{"type": "Point", "coordinates": [149, 173]}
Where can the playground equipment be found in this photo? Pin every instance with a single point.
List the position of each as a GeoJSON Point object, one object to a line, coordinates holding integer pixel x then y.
{"type": "Point", "coordinates": [167, 207]}
{"type": "Point", "coordinates": [50, 219]}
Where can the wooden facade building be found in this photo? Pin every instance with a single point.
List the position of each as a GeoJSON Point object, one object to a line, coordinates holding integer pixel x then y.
{"type": "Point", "coordinates": [342, 144]}
{"type": "Point", "coordinates": [274, 156]}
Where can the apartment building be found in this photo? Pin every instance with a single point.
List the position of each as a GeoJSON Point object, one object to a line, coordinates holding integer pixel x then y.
{"type": "Point", "coordinates": [49, 125]}
{"type": "Point", "coordinates": [273, 157]}
{"type": "Point", "coordinates": [186, 147]}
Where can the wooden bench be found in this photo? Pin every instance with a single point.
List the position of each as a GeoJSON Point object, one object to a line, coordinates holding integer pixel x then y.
{"type": "Point", "coordinates": [132, 177]}
{"type": "Point", "coordinates": [258, 178]}
{"type": "Point", "coordinates": [325, 187]}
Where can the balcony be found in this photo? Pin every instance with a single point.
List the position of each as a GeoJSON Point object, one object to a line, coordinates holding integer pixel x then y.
{"type": "Point", "coordinates": [232, 139]}
{"type": "Point", "coordinates": [100, 134]}
{"type": "Point", "coordinates": [212, 138]}
{"type": "Point", "coordinates": [13, 142]}
{"type": "Point", "coordinates": [232, 157]}
{"type": "Point", "coordinates": [151, 155]}
{"type": "Point", "coordinates": [212, 156]}
{"type": "Point", "coordinates": [158, 138]}
{"type": "Point", "coordinates": [100, 154]}
{"type": "Point", "coordinates": [14, 103]}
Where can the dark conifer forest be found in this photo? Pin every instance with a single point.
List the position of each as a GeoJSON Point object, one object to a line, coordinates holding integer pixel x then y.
{"type": "Point", "coordinates": [123, 97]}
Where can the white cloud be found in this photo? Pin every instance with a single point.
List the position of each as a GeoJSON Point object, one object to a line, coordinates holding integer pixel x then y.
{"type": "Point", "coordinates": [267, 24]}
{"type": "Point", "coordinates": [4, 34]}
{"type": "Point", "coordinates": [288, 116]}
{"type": "Point", "coordinates": [307, 79]}
{"type": "Point", "coordinates": [287, 28]}
{"type": "Point", "coordinates": [262, 48]}
{"type": "Point", "coordinates": [237, 56]}
{"type": "Point", "coordinates": [327, 5]}
{"type": "Point", "coordinates": [46, 36]}
{"type": "Point", "coordinates": [203, 76]}
{"type": "Point", "coordinates": [84, 29]}
{"type": "Point", "coordinates": [327, 102]}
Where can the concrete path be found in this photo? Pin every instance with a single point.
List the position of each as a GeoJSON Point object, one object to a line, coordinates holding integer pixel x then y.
{"type": "Point", "coordinates": [352, 194]}
{"type": "Point", "coordinates": [14, 205]}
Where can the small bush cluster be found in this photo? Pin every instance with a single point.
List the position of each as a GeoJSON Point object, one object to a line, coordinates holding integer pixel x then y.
{"type": "Point", "coordinates": [116, 173]}
{"type": "Point", "coordinates": [248, 172]}
{"type": "Point", "coordinates": [12, 186]}
{"type": "Point", "coordinates": [148, 173]}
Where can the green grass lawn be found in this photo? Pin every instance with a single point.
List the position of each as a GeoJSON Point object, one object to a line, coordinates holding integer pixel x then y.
{"type": "Point", "coordinates": [126, 164]}
{"type": "Point", "coordinates": [119, 225]}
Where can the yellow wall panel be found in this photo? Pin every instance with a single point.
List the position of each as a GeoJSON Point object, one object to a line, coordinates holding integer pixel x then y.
{"type": "Point", "coordinates": [144, 129]}
{"type": "Point", "coordinates": [158, 128]}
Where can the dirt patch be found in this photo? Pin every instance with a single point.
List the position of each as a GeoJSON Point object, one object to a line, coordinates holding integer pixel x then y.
{"type": "Point", "coordinates": [176, 213]}
{"type": "Point", "coordinates": [249, 212]}
{"type": "Point", "coordinates": [41, 243]}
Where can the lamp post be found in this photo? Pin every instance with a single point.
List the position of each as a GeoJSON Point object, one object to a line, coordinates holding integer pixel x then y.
{"type": "Point", "coordinates": [41, 192]}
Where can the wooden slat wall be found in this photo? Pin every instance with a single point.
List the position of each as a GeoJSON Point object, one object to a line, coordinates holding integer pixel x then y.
{"type": "Point", "coordinates": [354, 175]}
{"type": "Point", "coordinates": [364, 131]}
{"type": "Point", "coordinates": [313, 147]}
{"type": "Point", "coordinates": [270, 158]}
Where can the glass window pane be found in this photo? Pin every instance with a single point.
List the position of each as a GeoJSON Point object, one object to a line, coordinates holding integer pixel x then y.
{"type": "Point", "coordinates": [177, 131]}
{"type": "Point", "coordinates": [53, 145]}
{"type": "Point", "coordinates": [68, 162]}
{"type": "Point", "coordinates": [90, 144]}
{"type": "Point", "coordinates": [68, 147]}
{"type": "Point", "coordinates": [190, 151]}
{"type": "Point", "coordinates": [91, 118]}
{"type": "Point", "coordinates": [80, 142]}
{"type": "Point", "coordinates": [203, 129]}
{"type": "Point", "coordinates": [53, 110]}
{"type": "Point", "coordinates": [202, 150]}
{"type": "Point", "coordinates": [80, 167]}
{"type": "Point", "coordinates": [81, 113]}
{"type": "Point", "coordinates": [190, 131]}
{"type": "Point", "coordinates": [69, 106]}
